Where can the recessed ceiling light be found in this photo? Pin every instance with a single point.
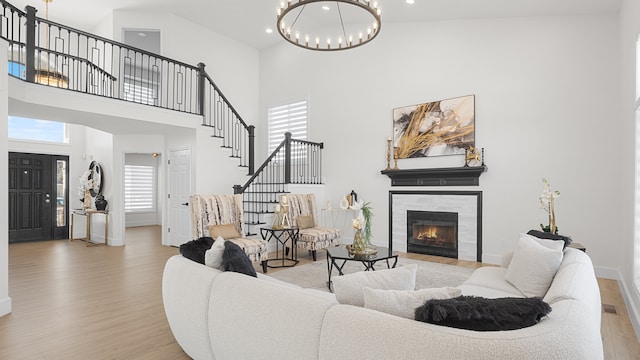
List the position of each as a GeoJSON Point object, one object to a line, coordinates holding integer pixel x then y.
{"type": "Point", "coordinates": [325, 8]}
{"type": "Point", "coordinates": [410, 2]}
{"type": "Point", "coordinates": [269, 30]}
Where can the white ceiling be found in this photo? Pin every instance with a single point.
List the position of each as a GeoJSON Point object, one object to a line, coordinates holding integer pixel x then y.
{"type": "Point", "coordinates": [246, 20]}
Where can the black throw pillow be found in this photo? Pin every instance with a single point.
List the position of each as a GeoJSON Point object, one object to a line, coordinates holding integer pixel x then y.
{"type": "Point", "coordinates": [482, 314]}
{"type": "Point", "coordinates": [234, 259]}
{"type": "Point", "coordinates": [550, 236]}
{"type": "Point", "coordinates": [195, 249]}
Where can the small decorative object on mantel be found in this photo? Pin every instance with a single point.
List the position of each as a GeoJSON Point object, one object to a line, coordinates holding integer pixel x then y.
{"type": "Point", "coordinates": [388, 153]}
{"type": "Point", "coordinates": [395, 158]}
{"type": "Point", "coordinates": [473, 157]}
{"type": "Point", "coordinates": [547, 203]}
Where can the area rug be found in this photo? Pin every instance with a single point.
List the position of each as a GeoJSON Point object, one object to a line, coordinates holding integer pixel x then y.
{"type": "Point", "coordinates": [429, 275]}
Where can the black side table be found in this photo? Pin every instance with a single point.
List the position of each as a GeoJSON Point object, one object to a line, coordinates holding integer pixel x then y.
{"type": "Point", "coordinates": [341, 253]}
{"type": "Point", "coordinates": [282, 237]}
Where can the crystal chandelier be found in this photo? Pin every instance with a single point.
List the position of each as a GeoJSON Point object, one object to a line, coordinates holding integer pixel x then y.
{"type": "Point", "coordinates": [326, 25]}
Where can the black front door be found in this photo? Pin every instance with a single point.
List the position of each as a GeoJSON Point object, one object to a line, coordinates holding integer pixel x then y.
{"type": "Point", "coordinates": [37, 197]}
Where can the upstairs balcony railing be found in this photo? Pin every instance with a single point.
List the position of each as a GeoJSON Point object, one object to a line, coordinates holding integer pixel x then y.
{"type": "Point", "coordinates": [44, 52]}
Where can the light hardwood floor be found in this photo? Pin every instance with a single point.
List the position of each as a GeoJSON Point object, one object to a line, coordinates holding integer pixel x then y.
{"type": "Point", "coordinates": [73, 302]}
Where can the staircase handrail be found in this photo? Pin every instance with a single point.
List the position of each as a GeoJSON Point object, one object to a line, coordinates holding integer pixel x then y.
{"type": "Point", "coordinates": [239, 189]}
{"type": "Point", "coordinates": [113, 42]}
{"type": "Point", "coordinates": [215, 86]}
{"type": "Point", "coordinates": [286, 144]}
{"type": "Point", "coordinates": [88, 62]}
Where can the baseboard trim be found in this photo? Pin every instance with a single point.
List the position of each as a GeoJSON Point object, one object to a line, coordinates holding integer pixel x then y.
{"type": "Point", "coordinates": [5, 306]}
{"type": "Point", "coordinates": [630, 295]}
{"type": "Point", "coordinates": [491, 259]}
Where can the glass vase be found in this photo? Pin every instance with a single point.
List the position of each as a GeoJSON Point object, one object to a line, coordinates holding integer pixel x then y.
{"type": "Point", "coordinates": [359, 242]}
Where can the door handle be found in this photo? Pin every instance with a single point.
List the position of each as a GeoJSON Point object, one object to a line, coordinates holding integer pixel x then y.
{"type": "Point", "coordinates": [185, 204]}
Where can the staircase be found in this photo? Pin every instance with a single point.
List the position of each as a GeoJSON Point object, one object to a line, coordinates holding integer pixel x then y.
{"type": "Point", "coordinates": [52, 54]}
{"type": "Point", "coordinates": [292, 162]}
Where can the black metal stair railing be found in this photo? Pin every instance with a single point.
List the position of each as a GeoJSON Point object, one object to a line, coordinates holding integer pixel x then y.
{"type": "Point", "coordinates": [292, 162]}
{"type": "Point", "coordinates": [225, 122]}
{"type": "Point", "coordinates": [44, 52]}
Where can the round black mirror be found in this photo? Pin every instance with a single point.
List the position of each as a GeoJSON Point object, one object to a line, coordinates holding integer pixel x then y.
{"type": "Point", "coordinates": [95, 178]}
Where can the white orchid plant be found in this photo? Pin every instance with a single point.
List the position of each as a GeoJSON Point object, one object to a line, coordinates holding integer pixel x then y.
{"type": "Point", "coordinates": [85, 183]}
{"type": "Point", "coordinates": [547, 199]}
{"type": "Point", "coordinates": [363, 220]}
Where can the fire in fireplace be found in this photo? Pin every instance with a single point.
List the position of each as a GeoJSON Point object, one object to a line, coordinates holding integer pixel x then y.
{"type": "Point", "coordinates": [432, 233]}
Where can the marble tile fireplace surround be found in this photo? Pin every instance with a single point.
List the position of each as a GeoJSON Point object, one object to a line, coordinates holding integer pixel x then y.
{"type": "Point", "coordinates": [466, 204]}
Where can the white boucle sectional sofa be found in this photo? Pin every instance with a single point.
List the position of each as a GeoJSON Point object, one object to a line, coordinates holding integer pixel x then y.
{"type": "Point", "coordinates": [224, 315]}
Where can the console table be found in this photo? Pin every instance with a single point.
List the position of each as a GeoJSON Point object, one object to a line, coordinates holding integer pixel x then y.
{"type": "Point", "coordinates": [88, 214]}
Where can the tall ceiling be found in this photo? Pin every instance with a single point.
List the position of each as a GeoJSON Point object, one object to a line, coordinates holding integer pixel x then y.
{"type": "Point", "coordinates": [247, 20]}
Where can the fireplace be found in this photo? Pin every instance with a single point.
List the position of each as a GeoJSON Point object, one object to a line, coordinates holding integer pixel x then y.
{"type": "Point", "coordinates": [466, 204]}
{"type": "Point", "coordinates": [432, 233]}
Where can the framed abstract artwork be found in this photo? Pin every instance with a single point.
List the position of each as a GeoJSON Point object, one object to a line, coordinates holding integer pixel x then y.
{"type": "Point", "coordinates": [444, 127]}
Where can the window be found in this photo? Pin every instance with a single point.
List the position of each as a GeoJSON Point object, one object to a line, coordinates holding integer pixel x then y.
{"type": "Point", "coordinates": [140, 181]}
{"type": "Point", "coordinates": [37, 130]}
{"type": "Point", "coordinates": [140, 91]}
{"type": "Point", "coordinates": [292, 118]}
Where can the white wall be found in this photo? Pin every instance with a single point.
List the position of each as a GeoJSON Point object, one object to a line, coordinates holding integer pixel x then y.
{"type": "Point", "coordinates": [546, 98]}
{"type": "Point", "coordinates": [99, 148]}
{"type": "Point", "coordinates": [629, 30]}
{"type": "Point", "coordinates": [5, 300]}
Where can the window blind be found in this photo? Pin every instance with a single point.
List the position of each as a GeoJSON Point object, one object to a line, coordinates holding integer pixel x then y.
{"type": "Point", "coordinates": [291, 118]}
{"type": "Point", "coordinates": [139, 188]}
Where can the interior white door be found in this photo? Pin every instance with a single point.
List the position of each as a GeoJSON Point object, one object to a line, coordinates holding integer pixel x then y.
{"type": "Point", "coordinates": [179, 192]}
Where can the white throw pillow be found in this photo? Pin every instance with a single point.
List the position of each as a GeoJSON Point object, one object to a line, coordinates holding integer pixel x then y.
{"type": "Point", "coordinates": [404, 302]}
{"type": "Point", "coordinates": [213, 256]}
{"type": "Point", "coordinates": [533, 267]}
{"type": "Point", "coordinates": [349, 288]}
{"type": "Point", "coordinates": [551, 244]}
